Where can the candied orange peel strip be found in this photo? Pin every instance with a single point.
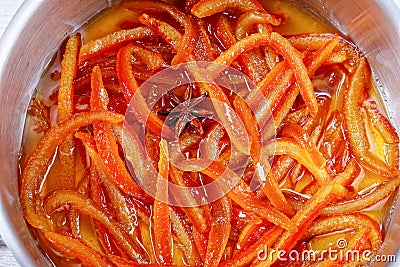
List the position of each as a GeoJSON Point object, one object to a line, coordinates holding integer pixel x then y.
{"type": "Point", "coordinates": [270, 188]}
{"type": "Point", "coordinates": [77, 202]}
{"type": "Point", "coordinates": [301, 137]}
{"type": "Point", "coordinates": [183, 233]}
{"type": "Point", "coordinates": [321, 55]}
{"type": "Point", "coordinates": [311, 209]}
{"type": "Point", "coordinates": [122, 262]}
{"type": "Point", "coordinates": [130, 87]}
{"type": "Point", "coordinates": [382, 124]}
{"type": "Point", "coordinates": [100, 175]}
{"type": "Point", "coordinates": [73, 248]}
{"type": "Point", "coordinates": [248, 19]}
{"type": "Point", "coordinates": [105, 142]}
{"type": "Point", "coordinates": [363, 201]}
{"type": "Point", "coordinates": [187, 43]}
{"type": "Point", "coordinates": [171, 35]}
{"type": "Point", "coordinates": [250, 123]}
{"type": "Point", "coordinates": [233, 125]}
{"type": "Point", "coordinates": [112, 42]}
{"type": "Point", "coordinates": [69, 66]}
{"type": "Point", "coordinates": [354, 221]}
{"type": "Point", "coordinates": [261, 165]}
{"type": "Point", "coordinates": [205, 8]}
{"type": "Point", "coordinates": [161, 213]}
{"type": "Point", "coordinates": [356, 243]}
{"type": "Point", "coordinates": [194, 213]}
{"type": "Point", "coordinates": [65, 109]}
{"type": "Point", "coordinates": [254, 61]}
{"type": "Point", "coordinates": [39, 162]}
{"type": "Point", "coordinates": [240, 193]}
{"type": "Point", "coordinates": [219, 232]}
{"type": "Point", "coordinates": [224, 31]}
{"type": "Point", "coordinates": [282, 46]}
{"type": "Point", "coordinates": [244, 258]}
{"type": "Point", "coordinates": [344, 51]}
{"type": "Point", "coordinates": [288, 146]}
{"type": "Point", "coordinates": [354, 122]}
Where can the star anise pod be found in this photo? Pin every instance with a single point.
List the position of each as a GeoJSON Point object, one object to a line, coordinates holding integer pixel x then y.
{"type": "Point", "coordinates": [188, 111]}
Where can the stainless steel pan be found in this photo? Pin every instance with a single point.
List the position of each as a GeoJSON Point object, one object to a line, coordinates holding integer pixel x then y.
{"type": "Point", "coordinates": [40, 26]}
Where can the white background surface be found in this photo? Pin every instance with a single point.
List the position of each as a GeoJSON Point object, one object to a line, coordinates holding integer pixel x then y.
{"type": "Point", "coordinates": [7, 10]}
